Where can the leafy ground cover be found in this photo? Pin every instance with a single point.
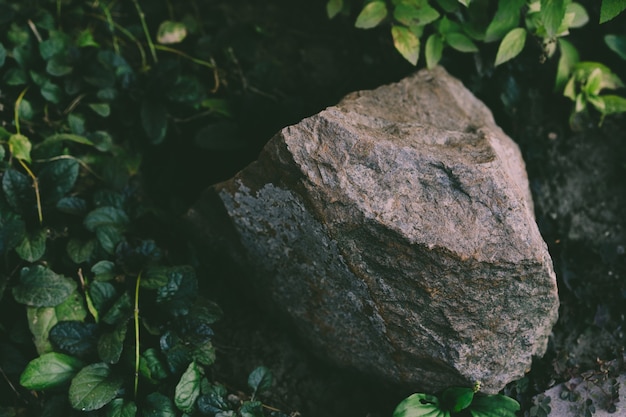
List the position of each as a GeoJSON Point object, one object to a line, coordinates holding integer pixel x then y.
{"type": "Point", "coordinates": [107, 136]}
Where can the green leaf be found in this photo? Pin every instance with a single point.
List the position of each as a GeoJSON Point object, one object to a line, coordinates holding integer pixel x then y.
{"type": "Point", "coordinates": [85, 38]}
{"type": "Point", "coordinates": [449, 6]}
{"type": "Point", "coordinates": [40, 321]}
{"type": "Point", "coordinates": [610, 9]}
{"type": "Point", "coordinates": [3, 55]}
{"type": "Point", "coordinates": [251, 409]}
{"type": "Point", "coordinates": [20, 147]}
{"type": "Point", "coordinates": [511, 45]}
{"type": "Point", "coordinates": [333, 7]}
{"type": "Point", "coordinates": [94, 387]}
{"type": "Point", "coordinates": [72, 309]}
{"type": "Point", "coordinates": [372, 14]}
{"type": "Point", "coordinates": [567, 61]}
{"type": "Point", "coordinates": [101, 294]}
{"type": "Point", "coordinates": [465, 3]}
{"type": "Point", "coordinates": [433, 50]}
{"type": "Point", "coordinates": [552, 14]}
{"type": "Point", "coordinates": [109, 224]}
{"type": "Point", "coordinates": [158, 405]}
{"type": "Point", "coordinates": [18, 191]}
{"type": "Point", "coordinates": [153, 365]}
{"type": "Point", "coordinates": [460, 42]}
{"type": "Point", "coordinates": [617, 43]}
{"type": "Point", "coordinates": [614, 104]}
{"type": "Point", "coordinates": [12, 232]}
{"type": "Point", "coordinates": [420, 405]}
{"type": "Point", "coordinates": [506, 18]}
{"type": "Point", "coordinates": [103, 271]}
{"type": "Point", "coordinates": [580, 16]}
{"type": "Point", "coordinates": [156, 277]}
{"type": "Point", "coordinates": [33, 246]}
{"type": "Point", "coordinates": [67, 137]}
{"type": "Point", "coordinates": [111, 344]}
{"type": "Point", "coordinates": [51, 92]}
{"type": "Point", "coordinates": [204, 354]}
{"type": "Point", "coordinates": [406, 43]}
{"type": "Point", "coordinates": [415, 13]}
{"type": "Point", "coordinates": [101, 109]}
{"type": "Point", "coordinates": [120, 310]}
{"type": "Point", "coordinates": [58, 66]}
{"type": "Point", "coordinates": [57, 178]}
{"type": "Point", "coordinates": [154, 120]}
{"type": "Point", "coordinates": [49, 370]}
{"type": "Point", "coordinates": [188, 388]}
{"type": "Point", "coordinates": [171, 32]}
{"type": "Point", "coordinates": [72, 205]}
{"type": "Point", "coordinates": [15, 76]}
{"type": "Point", "coordinates": [42, 287]}
{"type": "Point", "coordinates": [119, 408]}
{"type": "Point", "coordinates": [74, 337]}
{"type": "Point", "coordinates": [260, 380]}
{"type": "Point", "coordinates": [56, 44]}
{"type": "Point", "coordinates": [493, 406]}
{"type": "Point", "coordinates": [80, 251]}
{"type": "Point", "coordinates": [457, 399]}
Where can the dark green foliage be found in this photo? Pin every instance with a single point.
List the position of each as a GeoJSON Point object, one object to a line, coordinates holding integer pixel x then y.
{"type": "Point", "coordinates": [111, 319]}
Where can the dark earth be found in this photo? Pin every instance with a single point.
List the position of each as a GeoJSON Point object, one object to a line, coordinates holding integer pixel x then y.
{"type": "Point", "coordinates": [285, 60]}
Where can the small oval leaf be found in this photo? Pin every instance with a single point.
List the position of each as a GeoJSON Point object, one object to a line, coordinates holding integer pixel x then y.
{"type": "Point", "coordinates": [171, 32]}
{"type": "Point", "coordinates": [94, 387]}
{"type": "Point", "coordinates": [511, 45]}
{"type": "Point", "coordinates": [372, 14]}
{"type": "Point", "coordinates": [406, 43]}
{"type": "Point", "coordinates": [42, 287]}
{"type": "Point", "coordinates": [188, 388]}
{"type": "Point", "coordinates": [49, 370]}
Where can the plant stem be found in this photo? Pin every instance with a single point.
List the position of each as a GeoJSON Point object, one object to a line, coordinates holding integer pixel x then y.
{"type": "Point", "coordinates": [111, 24]}
{"type": "Point", "coordinates": [137, 333]}
{"type": "Point", "coordinates": [146, 32]}
{"type": "Point", "coordinates": [36, 185]}
{"type": "Point", "coordinates": [17, 110]}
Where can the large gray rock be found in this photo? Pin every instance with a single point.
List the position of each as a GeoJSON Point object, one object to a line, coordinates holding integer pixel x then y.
{"type": "Point", "coordinates": [396, 231]}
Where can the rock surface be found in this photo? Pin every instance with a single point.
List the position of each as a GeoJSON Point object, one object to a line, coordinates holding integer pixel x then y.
{"type": "Point", "coordinates": [396, 232]}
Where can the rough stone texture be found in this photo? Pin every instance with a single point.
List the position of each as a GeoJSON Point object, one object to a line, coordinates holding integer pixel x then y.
{"type": "Point", "coordinates": [569, 399]}
{"type": "Point", "coordinates": [396, 231]}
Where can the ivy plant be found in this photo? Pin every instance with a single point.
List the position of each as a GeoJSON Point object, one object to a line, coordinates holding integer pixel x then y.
{"type": "Point", "coordinates": [468, 26]}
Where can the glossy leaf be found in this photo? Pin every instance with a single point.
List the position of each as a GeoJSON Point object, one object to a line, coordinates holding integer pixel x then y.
{"type": "Point", "coordinates": [72, 309]}
{"type": "Point", "coordinates": [493, 406]}
{"type": "Point", "coordinates": [154, 365]}
{"type": "Point", "coordinates": [57, 178]}
{"type": "Point", "coordinates": [67, 137]}
{"type": "Point", "coordinates": [617, 43]}
{"type": "Point", "coordinates": [102, 295]}
{"type": "Point", "coordinates": [260, 379]}
{"type": "Point", "coordinates": [120, 310]}
{"type": "Point", "coordinates": [511, 46]}
{"type": "Point", "coordinates": [72, 205]}
{"type": "Point", "coordinates": [101, 109]}
{"type": "Point", "coordinates": [188, 388]}
{"type": "Point", "coordinates": [20, 147]}
{"type": "Point", "coordinates": [372, 14]}
{"type": "Point", "coordinates": [333, 7]}
{"type": "Point", "coordinates": [610, 9]}
{"type": "Point", "coordinates": [170, 32]}
{"type": "Point", "coordinates": [33, 246]}
{"type": "Point", "coordinates": [406, 43]}
{"type": "Point", "coordinates": [42, 287]}
{"type": "Point", "coordinates": [93, 387]}
{"type": "Point", "coordinates": [80, 251]}
{"type": "Point", "coordinates": [158, 405]}
{"type": "Point", "coordinates": [49, 370]}
{"type": "Point", "coordinates": [120, 408]}
{"type": "Point", "coordinates": [12, 232]}
{"type": "Point", "coordinates": [420, 405]}
{"type": "Point", "coordinates": [40, 321]}
{"type": "Point", "coordinates": [111, 344]}
{"type": "Point", "coordinates": [103, 271]}
{"type": "Point", "coordinates": [74, 337]}
{"type": "Point", "coordinates": [251, 409]}
{"type": "Point", "coordinates": [204, 354]}
{"type": "Point", "coordinates": [568, 59]}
